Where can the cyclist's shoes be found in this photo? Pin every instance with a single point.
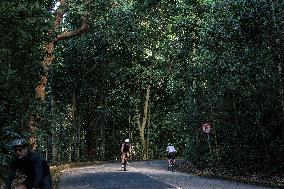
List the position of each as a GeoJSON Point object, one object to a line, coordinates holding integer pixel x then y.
{"type": "Point", "coordinates": [122, 166]}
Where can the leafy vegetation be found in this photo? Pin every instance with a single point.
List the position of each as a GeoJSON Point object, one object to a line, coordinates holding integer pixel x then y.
{"type": "Point", "coordinates": [151, 71]}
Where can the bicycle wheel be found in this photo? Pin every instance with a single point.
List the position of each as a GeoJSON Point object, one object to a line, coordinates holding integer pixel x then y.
{"type": "Point", "coordinates": [172, 165]}
{"type": "Point", "coordinates": [124, 163]}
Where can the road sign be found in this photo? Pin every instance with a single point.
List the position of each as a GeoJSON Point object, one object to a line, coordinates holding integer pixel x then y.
{"type": "Point", "coordinates": [206, 127]}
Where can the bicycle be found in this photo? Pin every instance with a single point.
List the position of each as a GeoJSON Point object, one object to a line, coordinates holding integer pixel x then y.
{"type": "Point", "coordinates": [171, 166]}
{"type": "Point", "coordinates": [125, 160]}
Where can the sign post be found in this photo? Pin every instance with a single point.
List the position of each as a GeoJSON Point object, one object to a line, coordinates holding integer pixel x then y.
{"type": "Point", "coordinates": [206, 127]}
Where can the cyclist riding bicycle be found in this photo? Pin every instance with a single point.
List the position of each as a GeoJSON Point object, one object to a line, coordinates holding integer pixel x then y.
{"type": "Point", "coordinates": [32, 165]}
{"type": "Point", "coordinates": [125, 151]}
{"type": "Point", "coordinates": [171, 151]}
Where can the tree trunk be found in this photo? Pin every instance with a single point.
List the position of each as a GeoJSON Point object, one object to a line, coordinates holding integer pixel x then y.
{"type": "Point", "coordinates": [214, 131]}
{"type": "Point", "coordinates": [78, 141]}
{"type": "Point", "coordinates": [91, 138]}
{"type": "Point", "coordinates": [235, 110]}
{"type": "Point", "coordinates": [54, 135]}
{"type": "Point", "coordinates": [75, 123]}
{"type": "Point", "coordinates": [103, 137]}
{"type": "Point", "coordinates": [40, 89]}
{"type": "Point", "coordinates": [277, 42]}
{"type": "Point", "coordinates": [148, 134]}
{"type": "Point", "coordinates": [281, 91]}
{"type": "Point", "coordinates": [143, 124]}
{"type": "Point", "coordinates": [100, 132]}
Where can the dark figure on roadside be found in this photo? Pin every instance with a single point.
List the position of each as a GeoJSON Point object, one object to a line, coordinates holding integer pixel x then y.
{"type": "Point", "coordinates": [125, 151]}
{"type": "Point", "coordinates": [32, 165]}
{"type": "Point", "coordinates": [171, 151]}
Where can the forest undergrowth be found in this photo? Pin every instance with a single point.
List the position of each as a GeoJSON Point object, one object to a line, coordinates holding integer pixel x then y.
{"type": "Point", "coordinates": [275, 179]}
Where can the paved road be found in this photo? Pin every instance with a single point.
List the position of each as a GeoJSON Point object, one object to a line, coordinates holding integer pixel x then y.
{"type": "Point", "coordinates": [140, 175]}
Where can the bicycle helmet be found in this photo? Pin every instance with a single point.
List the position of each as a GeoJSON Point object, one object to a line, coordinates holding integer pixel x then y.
{"type": "Point", "coordinates": [19, 143]}
{"type": "Point", "coordinates": [127, 140]}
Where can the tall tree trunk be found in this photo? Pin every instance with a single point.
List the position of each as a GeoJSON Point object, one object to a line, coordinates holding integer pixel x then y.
{"type": "Point", "coordinates": [76, 126]}
{"type": "Point", "coordinates": [142, 124]}
{"type": "Point", "coordinates": [214, 132]}
{"type": "Point", "coordinates": [91, 137]}
{"type": "Point", "coordinates": [40, 89]}
{"type": "Point", "coordinates": [281, 89]}
{"type": "Point", "coordinates": [277, 42]}
{"type": "Point", "coordinates": [281, 82]}
{"type": "Point", "coordinates": [78, 141]}
{"type": "Point", "coordinates": [100, 132]}
{"type": "Point", "coordinates": [235, 110]}
{"type": "Point", "coordinates": [54, 135]}
{"type": "Point", "coordinates": [103, 137]}
{"type": "Point", "coordinates": [148, 133]}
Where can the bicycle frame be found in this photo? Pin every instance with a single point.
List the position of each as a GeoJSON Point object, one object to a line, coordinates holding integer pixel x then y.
{"type": "Point", "coordinates": [125, 161]}
{"type": "Point", "coordinates": [172, 163]}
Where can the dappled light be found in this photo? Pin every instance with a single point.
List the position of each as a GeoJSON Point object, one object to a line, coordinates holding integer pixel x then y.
{"type": "Point", "coordinates": [79, 77]}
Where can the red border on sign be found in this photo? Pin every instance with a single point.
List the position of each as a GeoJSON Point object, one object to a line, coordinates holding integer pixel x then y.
{"type": "Point", "coordinates": [206, 127]}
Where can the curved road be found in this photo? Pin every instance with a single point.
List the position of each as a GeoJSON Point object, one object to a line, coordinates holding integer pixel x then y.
{"type": "Point", "coordinates": [140, 175]}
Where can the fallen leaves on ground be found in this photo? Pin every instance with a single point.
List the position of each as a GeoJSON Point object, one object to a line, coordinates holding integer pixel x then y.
{"type": "Point", "coordinates": [259, 179]}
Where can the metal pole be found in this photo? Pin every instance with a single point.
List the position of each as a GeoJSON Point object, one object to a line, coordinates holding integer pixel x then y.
{"type": "Point", "coordinates": [208, 139]}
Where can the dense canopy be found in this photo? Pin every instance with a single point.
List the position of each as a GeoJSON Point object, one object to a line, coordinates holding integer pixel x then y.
{"type": "Point", "coordinates": [78, 77]}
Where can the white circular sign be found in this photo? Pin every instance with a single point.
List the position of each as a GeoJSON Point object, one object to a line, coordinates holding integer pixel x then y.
{"type": "Point", "coordinates": [206, 127]}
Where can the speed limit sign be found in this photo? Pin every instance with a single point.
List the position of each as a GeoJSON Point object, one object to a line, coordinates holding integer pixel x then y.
{"type": "Point", "coordinates": [206, 127]}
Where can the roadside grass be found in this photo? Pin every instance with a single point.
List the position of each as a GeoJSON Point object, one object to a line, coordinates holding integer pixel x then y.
{"type": "Point", "coordinates": [275, 181]}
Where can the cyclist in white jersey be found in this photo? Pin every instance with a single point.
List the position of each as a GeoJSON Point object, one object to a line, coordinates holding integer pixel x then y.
{"type": "Point", "coordinates": [171, 151]}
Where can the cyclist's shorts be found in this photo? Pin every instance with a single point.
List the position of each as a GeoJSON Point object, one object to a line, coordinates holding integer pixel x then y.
{"type": "Point", "coordinates": [171, 155]}
{"type": "Point", "coordinates": [126, 154]}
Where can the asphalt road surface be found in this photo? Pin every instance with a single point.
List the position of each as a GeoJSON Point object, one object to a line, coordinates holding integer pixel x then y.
{"type": "Point", "coordinates": [140, 175]}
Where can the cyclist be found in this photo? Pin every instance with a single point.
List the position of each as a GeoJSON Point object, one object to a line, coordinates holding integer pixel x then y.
{"type": "Point", "coordinates": [171, 151]}
{"type": "Point", "coordinates": [32, 165]}
{"type": "Point", "coordinates": [125, 150]}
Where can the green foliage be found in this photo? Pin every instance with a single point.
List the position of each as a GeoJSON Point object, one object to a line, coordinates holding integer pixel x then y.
{"type": "Point", "coordinates": [23, 31]}
{"type": "Point", "coordinates": [206, 61]}
{"type": "Point", "coordinates": [238, 76]}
